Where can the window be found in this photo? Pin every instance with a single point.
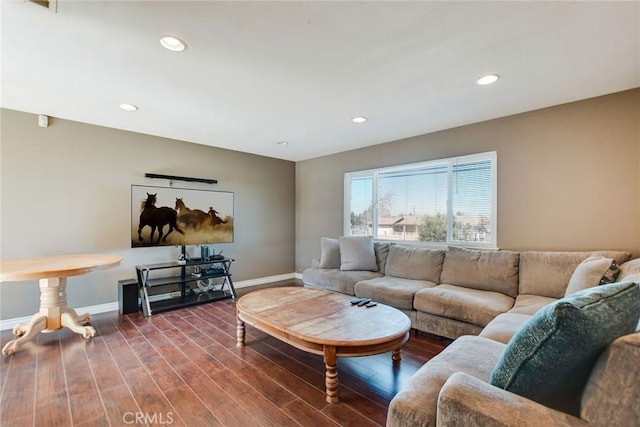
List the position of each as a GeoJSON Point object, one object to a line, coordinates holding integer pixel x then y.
{"type": "Point", "coordinates": [447, 201]}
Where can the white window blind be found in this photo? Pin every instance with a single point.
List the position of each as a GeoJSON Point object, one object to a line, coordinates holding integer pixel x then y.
{"type": "Point", "coordinates": [361, 188]}
{"type": "Point", "coordinates": [472, 202]}
{"type": "Point", "coordinates": [447, 201]}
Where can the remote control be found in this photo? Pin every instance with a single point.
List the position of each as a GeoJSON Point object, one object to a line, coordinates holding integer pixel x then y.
{"type": "Point", "coordinates": [363, 302]}
{"type": "Point", "coordinates": [357, 301]}
{"type": "Point", "coordinates": [371, 304]}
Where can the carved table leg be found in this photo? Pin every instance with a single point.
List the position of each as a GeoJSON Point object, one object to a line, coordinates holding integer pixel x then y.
{"type": "Point", "coordinates": [19, 330]}
{"type": "Point", "coordinates": [37, 323]}
{"type": "Point", "coordinates": [53, 315]}
{"type": "Point", "coordinates": [395, 356]}
{"type": "Point", "coordinates": [331, 378]}
{"type": "Point", "coordinates": [83, 319]}
{"type": "Point", "coordinates": [71, 320]}
{"type": "Point", "coordinates": [240, 332]}
{"type": "Point", "coordinates": [53, 300]}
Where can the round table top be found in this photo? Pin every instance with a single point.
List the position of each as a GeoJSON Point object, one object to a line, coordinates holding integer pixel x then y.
{"type": "Point", "coordinates": [323, 317]}
{"type": "Point", "coordinates": [55, 266]}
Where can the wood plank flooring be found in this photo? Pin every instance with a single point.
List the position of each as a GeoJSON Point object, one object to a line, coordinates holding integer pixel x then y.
{"type": "Point", "coordinates": [182, 368]}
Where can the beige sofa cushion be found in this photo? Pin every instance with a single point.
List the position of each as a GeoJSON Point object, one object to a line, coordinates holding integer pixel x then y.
{"type": "Point", "coordinates": [465, 304]}
{"type": "Point", "coordinates": [416, 403]}
{"type": "Point", "coordinates": [547, 273]}
{"type": "Point", "coordinates": [393, 291]}
{"type": "Point", "coordinates": [336, 280]}
{"type": "Point", "coordinates": [444, 326]}
{"type": "Point", "coordinates": [630, 271]}
{"type": "Point", "coordinates": [415, 263]}
{"type": "Point", "coordinates": [503, 327]}
{"type": "Point", "coordinates": [529, 304]}
{"type": "Point", "coordinates": [484, 270]}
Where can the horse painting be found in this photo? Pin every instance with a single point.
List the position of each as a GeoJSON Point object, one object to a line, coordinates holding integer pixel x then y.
{"type": "Point", "coordinates": [190, 217]}
{"type": "Point", "coordinates": [157, 218]}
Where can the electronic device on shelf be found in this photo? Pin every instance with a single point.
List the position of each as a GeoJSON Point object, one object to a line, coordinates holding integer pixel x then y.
{"type": "Point", "coordinates": [216, 256]}
{"type": "Point", "coordinates": [214, 270]}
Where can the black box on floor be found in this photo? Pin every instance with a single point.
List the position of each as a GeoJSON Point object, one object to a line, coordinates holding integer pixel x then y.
{"type": "Point", "coordinates": [128, 297]}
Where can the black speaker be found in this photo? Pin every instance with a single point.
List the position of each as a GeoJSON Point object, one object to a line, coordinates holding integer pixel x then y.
{"type": "Point", "coordinates": [128, 297]}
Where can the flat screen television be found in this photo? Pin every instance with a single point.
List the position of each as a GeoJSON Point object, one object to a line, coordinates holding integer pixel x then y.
{"type": "Point", "coordinates": [163, 216]}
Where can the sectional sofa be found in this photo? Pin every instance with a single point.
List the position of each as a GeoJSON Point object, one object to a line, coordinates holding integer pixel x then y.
{"type": "Point", "coordinates": [452, 292]}
{"type": "Point", "coordinates": [483, 299]}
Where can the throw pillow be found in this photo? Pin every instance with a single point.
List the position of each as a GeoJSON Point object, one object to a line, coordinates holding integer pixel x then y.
{"type": "Point", "coordinates": [356, 253]}
{"type": "Point", "coordinates": [550, 358]}
{"type": "Point", "coordinates": [588, 274]}
{"type": "Point", "coordinates": [329, 253]}
{"type": "Point", "coordinates": [611, 274]}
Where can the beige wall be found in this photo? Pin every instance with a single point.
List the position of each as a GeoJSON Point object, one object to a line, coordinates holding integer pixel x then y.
{"type": "Point", "coordinates": [568, 179]}
{"type": "Point", "coordinates": [66, 189]}
{"type": "Point", "coordinates": [568, 176]}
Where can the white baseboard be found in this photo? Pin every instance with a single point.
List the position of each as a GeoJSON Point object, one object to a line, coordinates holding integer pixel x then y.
{"type": "Point", "coordinates": [113, 306]}
{"type": "Point", "coordinates": [264, 280]}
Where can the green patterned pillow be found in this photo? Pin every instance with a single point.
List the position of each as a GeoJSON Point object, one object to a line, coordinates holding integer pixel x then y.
{"type": "Point", "coordinates": [550, 358]}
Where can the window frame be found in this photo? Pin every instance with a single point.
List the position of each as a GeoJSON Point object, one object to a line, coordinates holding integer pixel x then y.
{"type": "Point", "coordinates": [450, 162]}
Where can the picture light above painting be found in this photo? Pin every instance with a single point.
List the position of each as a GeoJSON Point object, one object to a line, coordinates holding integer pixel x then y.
{"type": "Point", "coordinates": [163, 216]}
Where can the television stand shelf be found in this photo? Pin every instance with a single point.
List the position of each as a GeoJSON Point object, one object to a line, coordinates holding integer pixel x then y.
{"type": "Point", "coordinates": [197, 281]}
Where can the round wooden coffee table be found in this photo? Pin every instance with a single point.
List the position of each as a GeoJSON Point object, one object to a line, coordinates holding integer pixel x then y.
{"type": "Point", "coordinates": [325, 323]}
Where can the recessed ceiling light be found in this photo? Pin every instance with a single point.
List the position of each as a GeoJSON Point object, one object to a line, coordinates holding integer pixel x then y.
{"type": "Point", "coordinates": [282, 143]}
{"type": "Point", "coordinates": [128, 107]}
{"type": "Point", "coordinates": [488, 79]}
{"type": "Point", "coordinates": [173, 43]}
{"type": "Point", "coordinates": [359, 119]}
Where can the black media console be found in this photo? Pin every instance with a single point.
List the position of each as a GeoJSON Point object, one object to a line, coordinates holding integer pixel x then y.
{"type": "Point", "coordinates": [170, 285]}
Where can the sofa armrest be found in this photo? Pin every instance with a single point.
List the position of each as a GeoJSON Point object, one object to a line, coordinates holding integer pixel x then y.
{"type": "Point", "coordinates": [465, 400]}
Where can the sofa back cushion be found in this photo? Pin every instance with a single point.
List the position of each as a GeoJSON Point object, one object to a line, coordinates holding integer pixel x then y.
{"type": "Point", "coordinates": [415, 263]}
{"type": "Point", "coordinates": [484, 270]}
{"type": "Point", "coordinates": [547, 273]}
{"type": "Point", "coordinates": [629, 271]}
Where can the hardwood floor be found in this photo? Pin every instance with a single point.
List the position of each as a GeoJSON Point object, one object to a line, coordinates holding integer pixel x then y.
{"type": "Point", "coordinates": [182, 368]}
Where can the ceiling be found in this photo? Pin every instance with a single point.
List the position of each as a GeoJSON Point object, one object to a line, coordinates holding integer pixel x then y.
{"type": "Point", "coordinates": [256, 73]}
